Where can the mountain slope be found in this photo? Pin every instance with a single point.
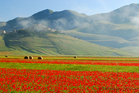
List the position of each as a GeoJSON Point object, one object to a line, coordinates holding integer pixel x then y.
{"type": "Point", "coordinates": [124, 31]}
{"type": "Point", "coordinates": [108, 34]}
{"type": "Point", "coordinates": [2, 45]}
{"type": "Point", "coordinates": [51, 43]}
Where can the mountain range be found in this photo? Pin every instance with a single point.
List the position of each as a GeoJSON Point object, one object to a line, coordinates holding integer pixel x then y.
{"type": "Point", "coordinates": [117, 31]}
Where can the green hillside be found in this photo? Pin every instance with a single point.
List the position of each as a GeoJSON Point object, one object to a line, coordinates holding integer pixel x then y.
{"type": "Point", "coordinates": [110, 29]}
{"type": "Point", "coordinates": [108, 34]}
{"type": "Point", "coordinates": [24, 42]}
{"type": "Point", "coordinates": [132, 49]}
{"type": "Point", "coordinates": [2, 45]}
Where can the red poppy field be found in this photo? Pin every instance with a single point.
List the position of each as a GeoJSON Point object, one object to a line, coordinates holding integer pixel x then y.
{"type": "Point", "coordinates": [69, 75]}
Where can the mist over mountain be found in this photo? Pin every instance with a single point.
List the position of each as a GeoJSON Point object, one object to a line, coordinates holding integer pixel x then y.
{"type": "Point", "coordinates": [118, 28]}
{"type": "Point", "coordinates": [63, 20]}
{"type": "Point", "coordinates": [125, 14]}
{"type": "Point", "coordinates": [68, 20]}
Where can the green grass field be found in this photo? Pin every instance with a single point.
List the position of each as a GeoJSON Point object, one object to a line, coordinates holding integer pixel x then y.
{"type": "Point", "coordinates": [71, 67]}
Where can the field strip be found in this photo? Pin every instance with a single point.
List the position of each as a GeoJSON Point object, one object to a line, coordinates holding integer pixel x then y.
{"type": "Point", "coordinates": [78, 58]}
{"type": "Point", "coordinates": [71, 67]}
{"type": "Point", "coordinates": [111, 63]}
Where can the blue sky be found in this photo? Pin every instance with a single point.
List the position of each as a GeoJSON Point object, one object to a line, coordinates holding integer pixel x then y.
{"type": "Point", "coordinates": [10, 9]}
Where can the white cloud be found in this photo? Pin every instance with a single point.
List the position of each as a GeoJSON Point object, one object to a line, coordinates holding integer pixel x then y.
{"type": "Point", "coordinates": [135, 19]}
{"type": "Point", "coordinates": [26, 23]}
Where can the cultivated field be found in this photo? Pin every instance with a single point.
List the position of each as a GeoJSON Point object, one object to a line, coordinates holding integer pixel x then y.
{"type": "Point", "coordinates": [66, 74]}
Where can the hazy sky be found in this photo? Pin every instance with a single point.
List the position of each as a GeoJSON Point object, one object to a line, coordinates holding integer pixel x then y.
{"type": "Point", "coordinates": [10, 9]}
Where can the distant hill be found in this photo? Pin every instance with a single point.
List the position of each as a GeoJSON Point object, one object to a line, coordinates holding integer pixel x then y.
{"type": "Point", "coordinates": [108, 34]}
{"type": "Point", "coordinates": [31, 42]}
{"type": "Point", "coordinates": [116, 29]}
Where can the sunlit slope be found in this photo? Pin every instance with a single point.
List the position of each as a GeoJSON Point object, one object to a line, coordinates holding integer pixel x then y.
{"type": "Point", "coordinates": [109, 34]}
{"type": "Point", "coordinates": [56, 44]}
{"type": "Point", "coordinates": [4, 50]}
{"type": "Point", "coordinates": [111, 29]}
{"type": "Point", "coordinates": [2, 45]}
{"type": "Point", "coordinates": [132, 49]}
{"type": "Point", "coordinates": [69, 45]}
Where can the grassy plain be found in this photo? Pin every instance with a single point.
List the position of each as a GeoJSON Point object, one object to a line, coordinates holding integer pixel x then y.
{"type": "Point", "coordinates": [71, 67]}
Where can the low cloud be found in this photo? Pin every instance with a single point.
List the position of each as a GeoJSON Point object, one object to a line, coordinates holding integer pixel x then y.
{"type": "Point", "coordinates": [26, 23]}
{"type": "Point", "coordinates": [29, 22]}
{"type": "Point", "coordinates": [60, 23]}
{"type": "Point", "coordinates": [135, 19]}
